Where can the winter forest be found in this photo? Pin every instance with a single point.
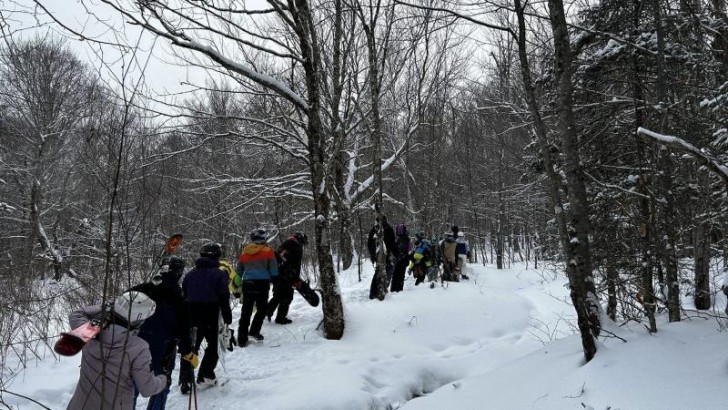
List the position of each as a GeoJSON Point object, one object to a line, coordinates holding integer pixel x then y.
{"type": "Point", "coordinates": [589, 136]}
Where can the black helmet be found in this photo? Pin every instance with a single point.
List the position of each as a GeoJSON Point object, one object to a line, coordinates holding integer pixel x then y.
{"type": "Point", "coordinates": [258, 235]}
{"type": "Point", "coordinates": [301, 238]}
{"type": "Point", "coordinates": [172, 264]}
{"type": "Point", "coordinates": [176, 263]}
{"type": "Point", "coordinates": [211, 250]}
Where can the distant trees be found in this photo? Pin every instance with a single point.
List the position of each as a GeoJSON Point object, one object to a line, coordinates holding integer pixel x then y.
{"type": "Point", "coordinates": [514, 121]}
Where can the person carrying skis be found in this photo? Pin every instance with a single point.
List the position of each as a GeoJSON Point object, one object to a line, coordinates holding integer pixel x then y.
{"type": "Point", "coordinates": [289, 257]}
{"type": "Point", "coordinates": [421, 259]}
{"type": "Point", "coordinates": [390, 251]}
{"type": "Point", "coordinates": [206, 293]}
{"type": "Point", "coordinates": [462, 249]}
{"type": "Point", "coordinates": [257, 266]}
{"type": "Point", "coordinates": [168, 327]}
{"type": "Point", "coordinates": [116, 361]}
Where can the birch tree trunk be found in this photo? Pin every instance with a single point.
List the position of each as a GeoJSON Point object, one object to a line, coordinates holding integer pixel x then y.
{"type": "Point", "coordinates": [583, 291]}
{"type": "Point", "coordinates": [321, 185]}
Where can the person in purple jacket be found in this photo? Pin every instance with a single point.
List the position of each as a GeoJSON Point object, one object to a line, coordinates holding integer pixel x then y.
{"type": "Point", "coordinates": [116, 360]}
{"type": "Point", "coordinates": [207, 296]}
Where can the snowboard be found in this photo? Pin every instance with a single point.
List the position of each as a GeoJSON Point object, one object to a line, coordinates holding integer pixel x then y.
{"type": "Point", "coordinates": [70, 343]}
{"type": "Point", "coordinates": [305, 290]}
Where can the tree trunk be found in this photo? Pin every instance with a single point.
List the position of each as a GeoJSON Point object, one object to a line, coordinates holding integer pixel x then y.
{"type": "Point", "coordinates": [612, 283]}
{"type": "Point", "coordinates": [645, 217]}
{"type": "Point", "coordinates": [376, 127]}
{"type": "Point", "coordinates": [583, 291]}
{"type": "Point", "coordinates": [332, 304]}
{"type": "Point", "coordinates": [702, 248]}
{"type": "Point", "coordinates": [665, 165]}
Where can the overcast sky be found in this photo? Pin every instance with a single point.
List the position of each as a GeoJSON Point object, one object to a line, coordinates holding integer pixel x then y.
{"type": "Point", "coordinates": [165, 74]}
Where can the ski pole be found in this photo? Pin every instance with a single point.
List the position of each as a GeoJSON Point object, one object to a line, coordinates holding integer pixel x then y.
{"type": "Point", "coordinates": [193, 345]}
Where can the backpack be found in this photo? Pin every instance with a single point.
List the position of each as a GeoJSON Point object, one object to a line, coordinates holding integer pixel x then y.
{"type": "Point", "coordinates": [422, 247]}
{"type": "Point", "coordinates": [400, 230]}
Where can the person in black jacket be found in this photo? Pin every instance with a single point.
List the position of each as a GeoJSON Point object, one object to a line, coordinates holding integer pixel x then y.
{"type": "Point", "coordinates": [391, 252]}
{"type": "Point", "coordinates": [168, 328]}
{"type": "Point", "coordinates": [206, 293]}
{"type": "Point", "coordinates": [289, 257]}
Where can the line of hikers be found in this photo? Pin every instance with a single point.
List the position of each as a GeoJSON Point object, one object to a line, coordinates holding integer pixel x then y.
{"type": "Point", "coordinates": [420, 256]}
{"type": "Point", "coordinates": [153, 322]}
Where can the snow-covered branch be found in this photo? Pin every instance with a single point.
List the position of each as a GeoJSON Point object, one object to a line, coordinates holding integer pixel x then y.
{"type": "Point", "coordinates": [699, 154]}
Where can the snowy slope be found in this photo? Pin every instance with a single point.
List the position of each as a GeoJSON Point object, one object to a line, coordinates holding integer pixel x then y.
{"type": "Point", "coordinates": [502, 340]}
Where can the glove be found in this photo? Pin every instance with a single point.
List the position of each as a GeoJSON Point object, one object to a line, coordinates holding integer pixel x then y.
{"type": "Point", "coordinates": [192, 358]}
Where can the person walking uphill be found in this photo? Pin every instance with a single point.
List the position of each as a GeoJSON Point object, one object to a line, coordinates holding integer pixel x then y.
{"type": "Point", "coordinates": [206, 293]}
{"type": "Point", "coordinates": [257, 266]}
{"type": "Point", "coordinates": [390, 251]}
{"type": "Point", "coordinates": [290, 254]}
{"type": "Point", "coordinates": [167, 328]}
{"type": "Point", "coordinates": [116, 360]}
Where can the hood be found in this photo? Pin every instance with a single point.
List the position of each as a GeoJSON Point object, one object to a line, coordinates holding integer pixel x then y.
{"type": "Point", "coordinates": [253, 248]}
{"type": "Point", "coordinates": [116, 336]}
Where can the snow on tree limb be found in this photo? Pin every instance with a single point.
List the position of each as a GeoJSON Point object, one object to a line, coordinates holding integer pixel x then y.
{"type": "Point", "coordinates": [182, 39]}
{"type": "Point", "coordinates": [699, 154]}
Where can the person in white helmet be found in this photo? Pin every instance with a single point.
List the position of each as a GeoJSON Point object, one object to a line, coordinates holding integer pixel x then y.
{"type": "Point", "coordinates": [116, 360]}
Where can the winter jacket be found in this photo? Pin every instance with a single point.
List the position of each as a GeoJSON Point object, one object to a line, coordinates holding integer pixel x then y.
{"type": "Point", "coordinates": [235, 284]}
{"type": "Point", "coordinates": [169, 321]}
{"type": "Point", "coordinates": [290, 254]}
{"type": "Point", "coordinates": [206, 292]}
{"type": "Point", "coordinates": [421, 255]}
{"type": "Point", "coordinates": [113, 363]}
{"type": "Point", "coordinates": [461, 246]}
{"type": "Point", "coordinates": [447, 249]}
{"type": "Point", "coordinates": [257, 262]}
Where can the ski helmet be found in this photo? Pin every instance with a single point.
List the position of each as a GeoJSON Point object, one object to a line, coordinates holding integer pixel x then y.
{"type": "Point", "coordinates": [301, 238]}
{"type": "Point", "coordinates": [172, 264]}
{"type": "Point", "coordinates": [134, 307]}
{"type": "Point", "coordinates": [461, 234]}
{"type": "Point", "coordinates": [211, 250]}
{"type": "Point", "coordinates": [258, 235]}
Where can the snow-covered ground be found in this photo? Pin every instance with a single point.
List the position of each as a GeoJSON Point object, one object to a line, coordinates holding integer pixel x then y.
{"type": "Point", "coordinates": [501, 340]}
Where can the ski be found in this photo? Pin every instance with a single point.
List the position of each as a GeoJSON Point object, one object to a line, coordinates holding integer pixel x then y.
{"type": "Point", "coordinates": [169, 249]}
